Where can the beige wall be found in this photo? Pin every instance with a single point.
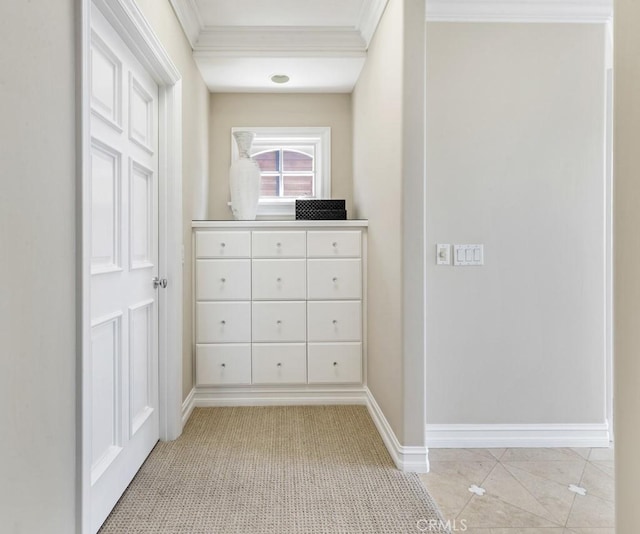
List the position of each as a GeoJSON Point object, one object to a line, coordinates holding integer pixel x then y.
{"type": "Point", "coordinates": [231, 109]}
{"type": "Point", "coordinates": [195, 158]}
{"type": "Point", "coordinates": [515, 160]}
{"type": "Point", "coordinates": [37, 268]}
{"type": "Point", "coordinates": [388, 142]}
{"type": "Point", "coordinates": [627, 264]}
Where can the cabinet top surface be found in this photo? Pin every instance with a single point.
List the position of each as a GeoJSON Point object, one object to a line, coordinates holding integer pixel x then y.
{"type": "Point", "coordinates": [360, 223]}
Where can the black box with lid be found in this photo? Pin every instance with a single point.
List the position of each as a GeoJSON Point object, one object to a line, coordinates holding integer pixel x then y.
{"type": "Point", "coordinates": [321, 209]}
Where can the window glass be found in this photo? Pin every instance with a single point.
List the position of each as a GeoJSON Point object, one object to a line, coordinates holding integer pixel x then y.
{"type": "Point", "coordinates": [286, 172]}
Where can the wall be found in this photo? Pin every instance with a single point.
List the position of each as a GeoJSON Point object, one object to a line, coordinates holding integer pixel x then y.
{"type": "Point", "coordinates": [250, 109]}
{"type": "Point", "coordinates": [515, 160]}
{"type": "Point", "coordinates": [388, 153]}
{"type": "Point", "coordinates": [627, 263]}
{"type": "Point", "coordinates": [37, 267]}
{"type": "Point", "coordinates": [195, 158]}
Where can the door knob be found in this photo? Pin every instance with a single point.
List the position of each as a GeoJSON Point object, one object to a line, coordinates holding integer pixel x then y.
{"type": "Point", "coordinates": [159, 282]}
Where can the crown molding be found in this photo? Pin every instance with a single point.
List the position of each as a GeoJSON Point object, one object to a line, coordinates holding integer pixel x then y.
{"type": "Point", "coordinates": [301, 38]}
{"type": "Point", "coordinates": [566, 11]}
{"type": "Point", "coordinates": [370, 15]}
{"type": "Point", "coordinates": [286, 40]}
{"type": "Point", "coordinates": [189, 16]}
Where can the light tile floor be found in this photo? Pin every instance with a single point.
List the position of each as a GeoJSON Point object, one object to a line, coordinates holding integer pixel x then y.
{"type": "Point", "coordinates": [526, 491]}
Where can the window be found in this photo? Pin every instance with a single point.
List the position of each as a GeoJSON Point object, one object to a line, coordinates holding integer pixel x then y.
{"type": "Point", "coordinates": [294, 163]}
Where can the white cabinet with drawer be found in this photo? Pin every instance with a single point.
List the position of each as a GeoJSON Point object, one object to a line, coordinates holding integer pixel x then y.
{"type": "Point", "coordinates": [279, 279]}
{"type": "Point", "coordinates": [223, 322]}
{"type": "Point", "coordinates": [223, 244]}
{"type": "Point", "coordinates": [335, 362]}
{"type": "Point", "coordinates": [279, 364]}
{"type": "Point", "coordinates": [334, 279]}
{"type": "Point", "coordinates": [334, 321]}
{"type": "Point", "coordinates": [334, 244]}
{"type": "Point", "coordinates": [218, 365]}
{"type": "Point", "coordinates": [279, 304]}
{"type": "Point", "coordinates": [279, 244]}
{"type": "Point", "coordinates": [223, 279]}
{"type": "Point", "coordinates": [279, 322]}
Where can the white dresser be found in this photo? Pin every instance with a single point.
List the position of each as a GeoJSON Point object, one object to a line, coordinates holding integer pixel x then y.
{"type": "Point", "coordinates": [279, 304]}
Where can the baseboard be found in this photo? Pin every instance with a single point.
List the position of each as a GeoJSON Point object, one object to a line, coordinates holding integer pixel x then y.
{"type": "Point", "coordinates": [211, 397]}
{"type": "Point", "coordinates": [187, 407]}
{"type": "Point", "coordinates": [412, 459]}
{"type": "Point", "coordinates": [511, 436]}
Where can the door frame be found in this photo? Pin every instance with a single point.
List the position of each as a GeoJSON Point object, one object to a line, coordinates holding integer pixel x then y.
{"type": "Point", "coordinates": [130, 24]}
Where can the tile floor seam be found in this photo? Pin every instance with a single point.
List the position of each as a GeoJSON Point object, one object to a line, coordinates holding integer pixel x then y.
{"type": "Point", "coordinates": [535, 498]}
{"type": "Point", "coordinates": [522, 510]}
{"type": "Point", "coordinates": [576, 495]}
{"type": "Point", "coordinates": [599, 468]}
{"type": "Point", "coordinates": [471, 495]}
{"type": "Point", "coordinates": [573, 500]}
{"type": "Point", "coordinates": [514, 506]}
{"type": "Point", "coordinates": [541, 476]}
{"type": "Point", "coordinates": [490, 471]}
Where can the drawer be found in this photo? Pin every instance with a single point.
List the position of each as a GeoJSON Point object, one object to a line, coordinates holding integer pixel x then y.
{"type": "Point", "coordinates": [335, 363]}
{"type": "Point", "coordinates": [279, 364]}
{"type": "Point", "coordinates": [223, 365]}
{"type": "Point", "coordinates": [334, 279]}
{"type": "Point", "coordinates": [279, 279]}
{"type": "Point", "coordinates": [223, 322]}
{"type": "Point", "coordinates": [223, 279]}
{"type": "Point", "coordinates": [279, 244]}
{"type": "Point", "coordinates": [279, 321]}
{"type": "Point", "coordinates": [334, 321]}
{"type": "Point", "coordinates": [223, 244]}
{"type": "Point", "coordinates": [334, 244]}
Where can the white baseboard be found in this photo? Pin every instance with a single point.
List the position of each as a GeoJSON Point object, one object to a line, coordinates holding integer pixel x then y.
{"type": "Point", "coordinates": [510, 436]}
{"type": "Point", "coordinates": [211, 397]}
{"type": "Point", "coordinates": [187, 407]}
{"type": "Point", "coordinates": [412, 459]}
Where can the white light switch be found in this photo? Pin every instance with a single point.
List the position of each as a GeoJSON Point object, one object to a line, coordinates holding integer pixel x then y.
{"type": "Point", "coordinates": [443, 254]}
{"type": "Point", "coordinates": [464, 255]}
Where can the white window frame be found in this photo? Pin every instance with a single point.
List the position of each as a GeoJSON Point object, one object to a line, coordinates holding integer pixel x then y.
{"type": "Point", "coordinates": [320, 136]}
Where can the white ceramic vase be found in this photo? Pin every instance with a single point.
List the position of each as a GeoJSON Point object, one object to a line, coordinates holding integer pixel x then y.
{"type": "Point", "coordinates": [244, 180]}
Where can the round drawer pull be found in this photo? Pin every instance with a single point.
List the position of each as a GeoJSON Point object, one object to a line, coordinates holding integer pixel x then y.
{"type": "Point", "coordinates": [334, 244]}
{"type": "Point", "coordinates": [335, 364]}
{"type": "Point", "coordinates": [223, 322]}
{"type": "Point", "coordinates": [335, 278]}
{"type": "Point", "coordinates": [278, 321]}
{"type": "Point", "coordinates": [335, 321]}
{"type": "Point", "coordinates": [223, 280]}
{"type": "Point", "coordinates": [223, 365]}
{"type": "Point", "coordinates": [279, 364]}
{"type": "Point", "coordinates": [278, 244]}
{"type": "Point", "coordinates": [223, 245]}
{"type": "Point", "coordinates": [278, 279]}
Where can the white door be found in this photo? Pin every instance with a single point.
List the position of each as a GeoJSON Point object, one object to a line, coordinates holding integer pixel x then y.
{"type": "Point", "coordinates": [124, 260]}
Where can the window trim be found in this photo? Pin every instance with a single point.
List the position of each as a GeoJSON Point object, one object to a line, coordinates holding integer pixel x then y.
{"type": "Point", "coordinates": [283, 135]}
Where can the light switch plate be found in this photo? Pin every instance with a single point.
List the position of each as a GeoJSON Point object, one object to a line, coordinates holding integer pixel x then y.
{"type": "Point", "coordinates": [467, 255]}
{"type": "Point", "coordinates": [443, 254]}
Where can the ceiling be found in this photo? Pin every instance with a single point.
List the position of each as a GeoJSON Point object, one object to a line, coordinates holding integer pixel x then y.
{"type": "Point", "coordinates": [239, 44]}
{"type": "Point", "coordinates": [322, 44]}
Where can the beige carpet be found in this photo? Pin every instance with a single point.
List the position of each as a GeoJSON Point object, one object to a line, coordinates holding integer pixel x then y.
{"type": "Point", "coordinates": [274, 470]}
